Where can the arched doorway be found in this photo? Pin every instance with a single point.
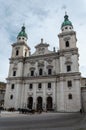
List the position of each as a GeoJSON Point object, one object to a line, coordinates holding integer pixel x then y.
{"type": "Point", "coordinates": [30, 103]}
{"type": "Point", "coordinates": [39, 103]}
{"type": "Point", "coordinates": [49, 103]}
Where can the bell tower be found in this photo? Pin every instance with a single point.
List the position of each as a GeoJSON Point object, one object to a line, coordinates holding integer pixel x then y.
{"type": "Point", "coordinates": [69, 68]}
{"type": "Point", "coordinates": [68, 49]}
{"type": "Point", "coordinates": [20, 51]}
{"type": "Point", "coordinates": [67, 37]}
{"type": "Point", "coordinates": [20, 48]}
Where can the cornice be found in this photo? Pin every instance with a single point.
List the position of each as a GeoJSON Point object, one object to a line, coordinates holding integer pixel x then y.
{"type": "Point", "coordinates": [67, 33]}
{"type": "Point", "coordinates": [70, 50]}
{"type": "Point", "coordinates": [77, 75]}
{"type": "Point", "coordinates": [20, 43]}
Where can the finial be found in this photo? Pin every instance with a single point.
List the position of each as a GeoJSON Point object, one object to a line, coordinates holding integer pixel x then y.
{"type": "Point", "coordinates": [41, 40]}
{"type": "Point", "coordinates": [23, 27]}
{"type": "Point", "coordinates": [66, 16]}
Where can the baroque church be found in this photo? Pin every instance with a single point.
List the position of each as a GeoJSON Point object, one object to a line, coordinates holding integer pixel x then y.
{"type": "Point", "coordinates": [46, 79]}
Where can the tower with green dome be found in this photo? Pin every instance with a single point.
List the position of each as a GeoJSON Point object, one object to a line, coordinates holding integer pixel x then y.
{"type": "Point", "coordinates": [22, 36]}
{"type": "Point", "coordinates": [67, 24]}
{"type": "Point", "coordinates": [68, 60]}
{"type": "Point", "coordinates": [67, 37]}
{"type": "Point", "coordinates": [20, 48]}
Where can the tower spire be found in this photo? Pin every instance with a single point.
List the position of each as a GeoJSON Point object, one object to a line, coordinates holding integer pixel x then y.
{"type": "Point", "coordinates": [66, 21]}
{"type": "Point", "coordinates": [22, 33]}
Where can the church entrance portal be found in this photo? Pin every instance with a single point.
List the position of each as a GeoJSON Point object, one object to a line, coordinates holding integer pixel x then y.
{"type": "Point", "coordinates": [30, 103]}
{"type": "Point", "coordinates": [39, 103]}
{"type": "Point", "coordinates": [49, 103]}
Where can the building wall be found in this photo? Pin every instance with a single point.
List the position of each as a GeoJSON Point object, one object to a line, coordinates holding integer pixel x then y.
{"type": "Point", "coordinates": [64, 66]}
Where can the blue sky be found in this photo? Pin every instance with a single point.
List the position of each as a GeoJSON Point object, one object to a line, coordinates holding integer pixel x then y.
{"type": "Point", "coordinates": [43, 19]}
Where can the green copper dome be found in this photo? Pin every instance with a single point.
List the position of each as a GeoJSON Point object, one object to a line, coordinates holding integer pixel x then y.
{"type": "Point", "coordinates": [66, 21]}
{"type": "Point", "coordinates": [22, 33]}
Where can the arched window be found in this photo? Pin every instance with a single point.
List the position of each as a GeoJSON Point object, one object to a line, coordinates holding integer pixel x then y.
{"type": "Point", "coordinates": [70, 96]}
{"type": "Point", "coordinates": [67, 43]}
{"type": "Point", "coordinates": [66, 27]}
{"type": "Point", "coordinates": [17, 52]}
{"type": "Point", "coordinates": [39, 103]}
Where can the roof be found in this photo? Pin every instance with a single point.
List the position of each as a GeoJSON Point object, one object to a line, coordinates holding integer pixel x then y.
{"type": "Point", "coordinates": [66, 21]}
{"type": "Point", "coordinates": [22, 33]}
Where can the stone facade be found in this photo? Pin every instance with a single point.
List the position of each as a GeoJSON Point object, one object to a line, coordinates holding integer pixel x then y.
{"type": "Point", "coordinates": [47, 80]}
{"type": "Point", "coordinates": [2, 93]}
{"type": "Point", "coordinates": [83, 93]}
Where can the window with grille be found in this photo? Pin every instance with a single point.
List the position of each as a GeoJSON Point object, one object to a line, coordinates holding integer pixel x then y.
{"type": "Point", "coordinates": [49, 85]}
{"type": "Point", "coordinates": [69, 83]}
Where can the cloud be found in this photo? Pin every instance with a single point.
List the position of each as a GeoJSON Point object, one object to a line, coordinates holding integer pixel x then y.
{"type": "Point", "coordinates": [64, 7]}
{"type": "Point", "coordinates": [42, 19]}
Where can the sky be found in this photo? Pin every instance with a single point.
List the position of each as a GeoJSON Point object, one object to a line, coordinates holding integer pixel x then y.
{"type": "Point", "coordinates": [42, 19]}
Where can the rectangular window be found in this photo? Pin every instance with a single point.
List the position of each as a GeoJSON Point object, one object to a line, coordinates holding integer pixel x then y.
{"type": "Point", "coordinates": [70, 96]}
{"type": "Point", "coordinates": [49, 71]}
{"type": "Point", "coordinates": [11, 97]}
{"type": "Point", "coordinates": [68, 68]}
{"type": "Point", "coordinates": [32, 72]}
{"type": "Point", "coordinates": [30, 86]}
{"type": "Point", "coordinates": [40, 71]}
{"type": "Point", "coordinates": [39, 86]}
{"type": "Point", "coordinates": [14, 73]}
{"type": "Point", "coordinates": [12, 86]}
{"type": "Point", "coordinates": [69, 83]}
{"type": "Point", "coordinates": [49, 85]}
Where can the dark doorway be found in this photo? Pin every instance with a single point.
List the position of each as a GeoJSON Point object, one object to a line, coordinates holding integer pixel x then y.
{"type": "Point", "coordinates": [30, 102]}
{"type": "Point", "coordinates": [49, 103]}
{"type": "Point", "coordinates": [39, 103]}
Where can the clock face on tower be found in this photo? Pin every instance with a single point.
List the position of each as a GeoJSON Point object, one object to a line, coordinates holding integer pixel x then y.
{"type": "Point", "coordinates": [41, 50]}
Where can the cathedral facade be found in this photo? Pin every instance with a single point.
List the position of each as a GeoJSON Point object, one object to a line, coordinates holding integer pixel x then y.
{"type": "Point", "coordinates": [46, 79]}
